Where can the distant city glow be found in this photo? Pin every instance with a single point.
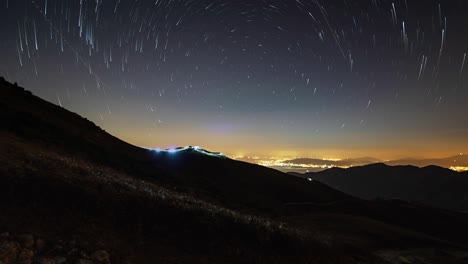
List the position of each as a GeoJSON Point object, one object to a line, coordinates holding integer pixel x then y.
{"type": "Point", "coordinates": [459, 168]}
{"type": "Point", "coordinates": [282, 163]}
{"type": "Point", "coordinates": [287, 164]}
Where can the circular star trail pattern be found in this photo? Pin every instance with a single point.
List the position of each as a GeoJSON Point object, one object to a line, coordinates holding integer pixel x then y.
{"type": "Point", "coordinates": [264, 77]}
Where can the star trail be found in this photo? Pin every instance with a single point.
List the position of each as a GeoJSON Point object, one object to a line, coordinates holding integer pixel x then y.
{"type": "Point", "coordinates": [270, 78]}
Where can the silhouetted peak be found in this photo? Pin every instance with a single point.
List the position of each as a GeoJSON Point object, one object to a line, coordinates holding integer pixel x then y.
{"type": "Point", "coordinates": [187, 149]}
{"type": "Point", "coordinates": [377, 165]}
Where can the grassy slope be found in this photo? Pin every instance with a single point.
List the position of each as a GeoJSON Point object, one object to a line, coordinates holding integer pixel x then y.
{"type": "Point", "coordinates": [55, 194]}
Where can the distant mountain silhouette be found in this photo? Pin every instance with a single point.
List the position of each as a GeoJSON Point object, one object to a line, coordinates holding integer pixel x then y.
{"type": "Point", "coordinates": [456, 162]}
{"type": "Point", "coordinates": [460, 160]}
{"type": "Point", "coordinates": [72, 193]}
{"type": "Point", "coordinates": [430, 185]}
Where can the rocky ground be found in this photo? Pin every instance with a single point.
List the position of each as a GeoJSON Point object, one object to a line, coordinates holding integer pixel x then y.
{"type": "Point", "coordinates": [27, 249]}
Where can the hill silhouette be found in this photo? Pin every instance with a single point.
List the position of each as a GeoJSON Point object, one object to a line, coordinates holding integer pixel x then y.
{"type": "Point", "coordinates": [431, 185]}
{"type": "Point", "coordinates": [460, 160]}
{"type": "Point", "coordinates": [72, 193]}
{"type": "Point", "coordinates": [302, 165]}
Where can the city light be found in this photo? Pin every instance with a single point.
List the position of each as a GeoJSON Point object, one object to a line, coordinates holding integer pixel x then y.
{"type": "Point", "coordinates": [188, 148]}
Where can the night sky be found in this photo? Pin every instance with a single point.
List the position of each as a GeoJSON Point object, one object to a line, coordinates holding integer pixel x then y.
{"type": "Point", "coordinates": [272, 78]}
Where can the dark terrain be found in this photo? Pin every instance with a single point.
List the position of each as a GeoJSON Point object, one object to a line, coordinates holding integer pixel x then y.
{"type": "Point", "coordinates": [72, 193]}
{"type": "Point", "coordinates": [431, 185]}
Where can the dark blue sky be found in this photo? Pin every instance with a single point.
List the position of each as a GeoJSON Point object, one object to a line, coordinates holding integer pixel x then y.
{"type": "Point", "coordinates": [273, 78]}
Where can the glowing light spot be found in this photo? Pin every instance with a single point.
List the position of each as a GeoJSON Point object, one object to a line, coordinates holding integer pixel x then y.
{"type": "Point", "coordinates": [459, 168]}
{"type": "Point", "coordinates": [172, 150]}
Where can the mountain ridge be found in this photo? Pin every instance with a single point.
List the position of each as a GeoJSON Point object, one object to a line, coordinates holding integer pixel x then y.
{"type": "Point", "coordinates": [456, 162]}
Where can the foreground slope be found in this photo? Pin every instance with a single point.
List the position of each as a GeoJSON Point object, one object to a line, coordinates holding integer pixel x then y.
{"type": "Point", "coordinates": [70, 192]}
